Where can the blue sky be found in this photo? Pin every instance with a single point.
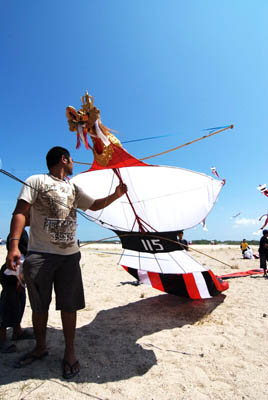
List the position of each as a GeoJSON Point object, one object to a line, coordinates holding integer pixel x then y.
{"type": "Point", "coordinates": [154, 68]}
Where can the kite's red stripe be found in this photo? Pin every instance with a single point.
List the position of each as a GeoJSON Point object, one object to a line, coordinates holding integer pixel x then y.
{"type": "Point", "coordinates": [221, 286]}
{"type": "Point", "coordinates": [191, 286]}
{"type": "Point", "coordinates": [120, 158]}
{"type": "Point", "coordinates": [243, 273]}
{"type": "Point", "coordinates": [156, 281]}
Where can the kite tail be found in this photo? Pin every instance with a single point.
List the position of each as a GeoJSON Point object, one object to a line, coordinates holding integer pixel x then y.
{"type": "Point", "coordinates": [214, 171]}
{"type": "Point", "coordinates": [78, 142]}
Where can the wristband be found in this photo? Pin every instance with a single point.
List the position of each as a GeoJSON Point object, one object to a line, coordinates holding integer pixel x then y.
{"type": "Point", "coordinates": [13, 239]}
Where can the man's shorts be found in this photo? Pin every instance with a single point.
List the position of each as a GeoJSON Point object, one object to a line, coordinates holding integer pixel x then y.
{"type": "Point", "coordinates": [42, 270]}
{"type": "Point", "coordinates": [263, 259]}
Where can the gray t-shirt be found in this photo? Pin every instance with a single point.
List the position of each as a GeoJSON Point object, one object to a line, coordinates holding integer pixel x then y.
{"type": "Point", "coordinates": [53, 213]}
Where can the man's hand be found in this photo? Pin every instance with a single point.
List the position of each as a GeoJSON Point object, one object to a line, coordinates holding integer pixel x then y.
{"type": "Point", "coordinates": [121, 189]}
{"type": "Point", "coordinates": [20, 218]}
{"type": "Point", "coordinates": [13, 259]}
{"type": "Point", "coordinates": [99, 204]}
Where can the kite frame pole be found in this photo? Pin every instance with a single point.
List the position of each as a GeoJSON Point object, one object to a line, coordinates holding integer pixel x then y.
{"type": "Point", "coordinates": [187, 144]}
{"type": "Point", "coordinates": [174, 148]}
{"type": "Point", "coordinates": [142, 224]}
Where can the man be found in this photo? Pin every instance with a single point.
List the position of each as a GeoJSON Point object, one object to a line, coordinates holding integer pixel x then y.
{"type": "Point", "coordinates": [263, 251]}
{"type": "Point", "coordinates": [244, 246]}
{"type": "Point", "coordinates": [183, 242]}
{"type": "Point", "coordinates": [53, 254]}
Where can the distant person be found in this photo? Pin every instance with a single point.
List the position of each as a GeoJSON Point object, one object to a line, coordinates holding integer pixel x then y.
{"type": "Point", "coordinates": [183, 242]}
{"type": "Point", "coordinates": [263, 251]}
{"type": "Point", "coordinates": [244, 246]}
{"type": "Point", "coordinates": [248, 253]}
{"type": "Point", "coordinates": [12, 303]}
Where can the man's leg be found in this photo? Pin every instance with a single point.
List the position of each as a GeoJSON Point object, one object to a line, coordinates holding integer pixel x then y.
{"type": "Point", "coordinates": [5, 345]}
{"type": "Point", "coordinates": [69, 298]}
{"type": "Point", "coordinates": [40, 329]}
{"type": "Point", "coordinates": [3, 317]}
{"type": "Point", "coordinates": [263, 263]}
{"type": "Point", "coordinates": [17, 332]}
{"type": "Point", "coordinates": [19, 300]}
{"type": "Point", "coordinates": [3, 335]}
{"type": "Point", "coordinates": [265, 266]}
{"type": "Point", "coordinates": [70, 364]}
{"type": "Point", "coordinates": [69, 324]}
{"type": "Point", "coordinates": [39, 351]}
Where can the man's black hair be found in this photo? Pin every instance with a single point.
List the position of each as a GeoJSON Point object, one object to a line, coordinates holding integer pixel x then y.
{"type": "Point", "coordinates": [54, 156]}
{"type": "Point", "coordinates": [264, 232]}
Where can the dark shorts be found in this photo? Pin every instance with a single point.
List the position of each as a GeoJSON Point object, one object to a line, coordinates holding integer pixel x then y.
{"type": "Point", "coordinates": [263, 259]}
{"type": "Point", "coordinates": [42, 270]}
{"type": "Point", "coordinates": [12, 304]}
{"type": "Point", "coordinates": [12, 300]}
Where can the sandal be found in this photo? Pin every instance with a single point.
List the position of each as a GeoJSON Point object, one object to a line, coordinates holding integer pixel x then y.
{"type": "Point", "coordinates": [28, 359]}
{"type": "Point", "coordinates": [72, 370]}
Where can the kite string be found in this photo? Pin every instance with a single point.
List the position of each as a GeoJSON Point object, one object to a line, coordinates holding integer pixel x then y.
{"type": "Point", "coordinates": [160, 237]}
{"type": "Point", "coordinates": [90, 218]}
{"type": "Point", "coordinates": [82, 213]}
{"type": "Point", "coordinates": [175, 148]}
{"type": "Point", "coordinates": [191, 248]}
{"type": "Point", "coordinates": [118, 174]}
{"type": "Point", "coordinates": [187, 144]}
{"type": "Point", "coordinates": [142, 224]}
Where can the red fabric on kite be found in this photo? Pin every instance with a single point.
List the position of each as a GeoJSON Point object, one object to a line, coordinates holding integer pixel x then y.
{"type": "Point", "coordinates": [120, 158]}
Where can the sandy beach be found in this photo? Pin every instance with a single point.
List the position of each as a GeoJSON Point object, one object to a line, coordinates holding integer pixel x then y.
{"type": "Point", "coordinates": [136, 343]}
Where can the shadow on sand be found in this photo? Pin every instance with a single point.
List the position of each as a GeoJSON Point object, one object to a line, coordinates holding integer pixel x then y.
{"type": "Point", "coordinates": [107, 347]}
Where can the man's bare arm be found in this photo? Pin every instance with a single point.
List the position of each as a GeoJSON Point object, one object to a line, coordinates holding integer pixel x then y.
{"type": "Point", "coordinates": [18, 222]}
{"type": "Point", "coordinates": [99, 204]}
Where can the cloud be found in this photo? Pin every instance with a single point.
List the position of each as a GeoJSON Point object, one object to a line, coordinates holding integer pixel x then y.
{"type": "Point", "coordinates": [245, 222]}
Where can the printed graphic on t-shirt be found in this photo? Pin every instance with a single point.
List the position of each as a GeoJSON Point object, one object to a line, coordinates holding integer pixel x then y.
{"type": "Point", "coordinates": [60, 230]}
{"type": "Point", "coordinates": [56, 203]}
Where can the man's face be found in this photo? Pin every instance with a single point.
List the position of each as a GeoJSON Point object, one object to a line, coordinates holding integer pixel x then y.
{"type": "Point", "coordinates": [69, 166]}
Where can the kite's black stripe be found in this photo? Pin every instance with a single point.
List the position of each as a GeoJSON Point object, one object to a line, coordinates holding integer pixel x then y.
{"type": "Point", "coordinates": [213, 291]}
{"type": "Point", "coordinates": [149, 242]}
{"type": "Point", "coordinates": [174, 284]}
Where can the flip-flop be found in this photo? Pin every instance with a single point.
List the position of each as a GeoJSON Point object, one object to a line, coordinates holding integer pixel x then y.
{"type": "Point", "coordinates": [7, 347]}
{"type": "Point", "coordinates": [25, 335]}
{"type": "Point", "coordinates": [28, 359]}
{"type": "Point", "coordinates": [71, 373]}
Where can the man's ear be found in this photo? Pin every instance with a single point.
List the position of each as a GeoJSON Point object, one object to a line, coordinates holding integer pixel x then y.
{"type": "Point", "coordinates": [64, 160]}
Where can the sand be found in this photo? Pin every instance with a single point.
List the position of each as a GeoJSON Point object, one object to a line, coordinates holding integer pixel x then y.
{"type": "Point", "coordinates": [136, 343]}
